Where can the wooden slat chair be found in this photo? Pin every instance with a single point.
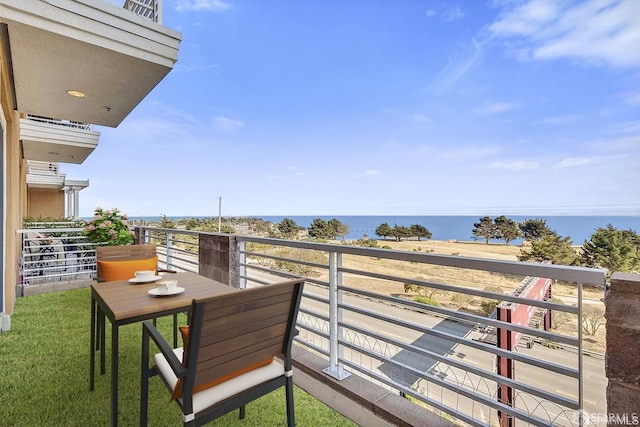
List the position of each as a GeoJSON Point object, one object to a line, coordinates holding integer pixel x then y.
{"type": "Point", "coordinates": [120, 263]}
{"type": "Point", "coordinates": [238, 348]}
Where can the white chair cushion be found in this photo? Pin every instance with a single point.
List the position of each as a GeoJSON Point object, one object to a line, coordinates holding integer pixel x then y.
{"type": "Point", "coordinates": [209, 397]}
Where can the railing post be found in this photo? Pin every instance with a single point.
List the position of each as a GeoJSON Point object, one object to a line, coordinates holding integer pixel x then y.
{"type": "Point", "coordinates": [242, 260]}
{"type": "Point", "coordinates": [335, 369]}
{"type": "Point", "coordinates": [218, 258]}
{"type": "Point", "coordinates": [622, 311]}
{"type": "Point", "coordinates": [169, 250]}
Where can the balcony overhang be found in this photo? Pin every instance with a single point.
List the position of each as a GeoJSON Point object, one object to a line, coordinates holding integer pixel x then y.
{"type": "Point", "coordinates": [47, 142]}
{"type": "Point", "coordinates": [110, 54]}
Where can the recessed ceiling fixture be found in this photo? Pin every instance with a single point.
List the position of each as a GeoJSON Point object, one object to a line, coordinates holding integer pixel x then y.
{"type": "Point", "coordinates": [77, 93]}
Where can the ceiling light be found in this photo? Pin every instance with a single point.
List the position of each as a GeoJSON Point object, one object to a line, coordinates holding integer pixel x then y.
{"type": "Point", "coordinates": [77, 93]}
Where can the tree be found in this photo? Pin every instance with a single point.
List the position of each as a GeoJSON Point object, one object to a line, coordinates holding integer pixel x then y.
{"type": "Point", "coordinates": [506, 229]}
{"type": "Point", "coordinates": [559, 318]}
{"type": "Point", "coordinates": [485, 229]}
{"type": "Point", "coordinates": [400, 231]}
{"type": "Point", "coordinates": [227, 228]}
{"type": "Point", "coordinates": [288, 228]}
{"type": "Point", "coordinates": [421, 290]}
{"type": "Point", "coordinates": [612, 249]}
{"type": "Point", "coordinates": [338, 228]}
{"type": "Point", "coordinates": [534, 229]}
{"type": "Point", "coordinates": [211, 227]}
{"type": "Point", "coordinates": [190, 223]}
{"type": "Point", "coordinates": [592, 318]}
{"type": "Point", "coordinates": [320, 229]}
{"type": "Point", "coordinates": [166, 222]}
{"type": "Point", "coordinates": [383, 230]}
{"type": "Point", "coordinates": [552, 247]}
{"type": "Point", "coordinates": [420, 231]}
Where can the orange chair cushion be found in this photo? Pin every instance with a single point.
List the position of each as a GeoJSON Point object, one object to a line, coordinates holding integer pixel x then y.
{"type": "Point", "coordinates": [177, 390]}
{"type": "Point", "coordinates": [122, 270]}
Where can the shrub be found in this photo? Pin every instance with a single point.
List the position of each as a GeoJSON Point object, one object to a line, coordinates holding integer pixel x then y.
{"type": "Point", "coordinates": [488, 306]}
{"type": "Point", "coordinates": [462, 300]}
{"type": "Point", "coordinates": [109, 228]}
{"type": "Point", "coordinates": [302, 255]}
{"type": "Point", "coordinates": [426, 301]}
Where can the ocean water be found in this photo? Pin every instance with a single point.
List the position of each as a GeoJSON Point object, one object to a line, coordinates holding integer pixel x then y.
{"type": "Point", "coordinates": [579, 228]}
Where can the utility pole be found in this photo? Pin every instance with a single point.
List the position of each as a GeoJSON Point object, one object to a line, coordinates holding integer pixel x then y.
{"type": "Point", "coordinates": [219, 214]}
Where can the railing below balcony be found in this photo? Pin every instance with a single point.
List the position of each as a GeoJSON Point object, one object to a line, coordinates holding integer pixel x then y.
{"type": "Point", "coordinates": [54, 253]}
{"type": "Point", "coordinates": [151, 9]}
{"type": "Point", "coordinates": [60, 122]}
{"type": "Point", "coordinates": [356, 315]}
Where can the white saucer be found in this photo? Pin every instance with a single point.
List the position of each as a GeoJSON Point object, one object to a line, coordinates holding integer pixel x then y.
{"type": "Point", "coordinates": [158, 293]}
{"type": "Point", "coordinates": [136, 280]}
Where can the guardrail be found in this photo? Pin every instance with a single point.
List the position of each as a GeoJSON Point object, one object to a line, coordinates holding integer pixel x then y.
{"type": "Point", "coordinates": [357, 315]}
{"type": "Point", "coordinates": [60, 122]}
{"type": "Point", "coordinates": [55, 254]}
{"type": "Point", "coordinates": [151, 9]}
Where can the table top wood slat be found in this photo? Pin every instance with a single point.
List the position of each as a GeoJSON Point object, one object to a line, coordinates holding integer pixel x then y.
{"type": "Point", "coordinates": [123, 301]}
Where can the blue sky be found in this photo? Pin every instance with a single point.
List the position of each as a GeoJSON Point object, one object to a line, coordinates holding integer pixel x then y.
{"type": "Point", "coordinates": [355, 107]}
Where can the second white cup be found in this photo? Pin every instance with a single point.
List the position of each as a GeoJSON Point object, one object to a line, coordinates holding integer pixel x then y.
{"type": "Point", "coordinates": [166, 286]}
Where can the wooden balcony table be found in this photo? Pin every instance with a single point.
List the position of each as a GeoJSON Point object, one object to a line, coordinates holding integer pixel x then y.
{"type": "Point", "coordinates": [123, 303]}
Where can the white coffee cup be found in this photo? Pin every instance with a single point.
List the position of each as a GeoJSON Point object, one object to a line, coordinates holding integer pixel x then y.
{"type": "Point", "coordinates": [145, 274]}
{"type": "Point", "coordinates": [166, 286]}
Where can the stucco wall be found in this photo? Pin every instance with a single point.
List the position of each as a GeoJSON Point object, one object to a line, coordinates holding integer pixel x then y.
{"type": "Point", "coordinates": [15, 196]}
{"type": "Point", "coordinates": [13, 201]}
{"type": "Point", "coordinates": [45, 203]}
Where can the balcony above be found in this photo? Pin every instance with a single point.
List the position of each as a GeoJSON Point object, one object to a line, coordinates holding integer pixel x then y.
{"type": "Point", "coordinates": [113, 56]}
{"type": "Point", "coordinates": [47, 175]}
{"type": "Point", "coordinates": [44, 175]}
{"type": "Point", "coordinates": [50, 140]}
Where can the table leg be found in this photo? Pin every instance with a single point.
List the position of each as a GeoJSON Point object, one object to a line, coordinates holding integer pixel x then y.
{"type": "Point", "coordinates": [114, 374]}
{"type": "Point", "coordinates": [92, 350]}
{"type": "Point", "coordinates": [103, 340]}
{"type": "Point", "coordinates": [175, 330]}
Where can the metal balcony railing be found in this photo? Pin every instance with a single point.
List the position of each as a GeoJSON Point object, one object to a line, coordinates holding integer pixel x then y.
{"type": "Point", "coordinates": [151, 9]}
{"type": "Point", "coordinates": [53, 253]}
{"type": "Point", "coordinates": [356, 314]}
{"type": "Point", "coordinates": [60, 122]}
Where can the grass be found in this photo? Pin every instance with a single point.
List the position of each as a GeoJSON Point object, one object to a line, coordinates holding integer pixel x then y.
{"type": "Point", "coordinates": [44, 375]}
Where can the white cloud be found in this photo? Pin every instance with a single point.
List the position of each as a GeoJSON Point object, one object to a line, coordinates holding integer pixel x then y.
{"type": "Point", "coordinates": [527, 19]}
{"type": "Point", "coordinates": [429, 13]}
{"type": "Point", "coordinates": [626, 127]}
{"type": "Point", "coordinates": [197, 5]}
{"type": "Point", "coordinates": [516, 165]}
{"type": "Point", "coordinates": [226, 124]}
{"type": "Point", "coordinates": [372, 172]}
{"type": "Point", "coordinates": [594, 31]}
{"type": "Point", "coordinates": [559, 120]}
{"type": "Point", "coordinates": [632, 98]}
{"type": "Point", "coordinates": [571, 162]}
{"type": "Point", "coordinates": [495, 108]}
{"type": "Point", "coordinates": [453, 13]}
{"type": "Point", "coordinates": [458, 66]}
{"type": "Point", "coordinates": [419, 118]}
{"type": "Point", "coordinates": [470, 152]}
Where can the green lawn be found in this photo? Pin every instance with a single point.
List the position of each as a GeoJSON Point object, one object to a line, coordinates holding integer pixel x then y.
{"type": "Point", "coordinates": [44, 375]}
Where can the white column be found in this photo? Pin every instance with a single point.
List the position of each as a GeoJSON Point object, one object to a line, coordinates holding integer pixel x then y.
{"type": "Point", "coordinates": [67, 196]}
{"type": "Point", "coordinates": [76, 202]}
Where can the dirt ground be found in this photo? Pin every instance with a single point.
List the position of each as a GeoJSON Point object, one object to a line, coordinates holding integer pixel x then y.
{"type": "Point", "coordinates": [567, 293]}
